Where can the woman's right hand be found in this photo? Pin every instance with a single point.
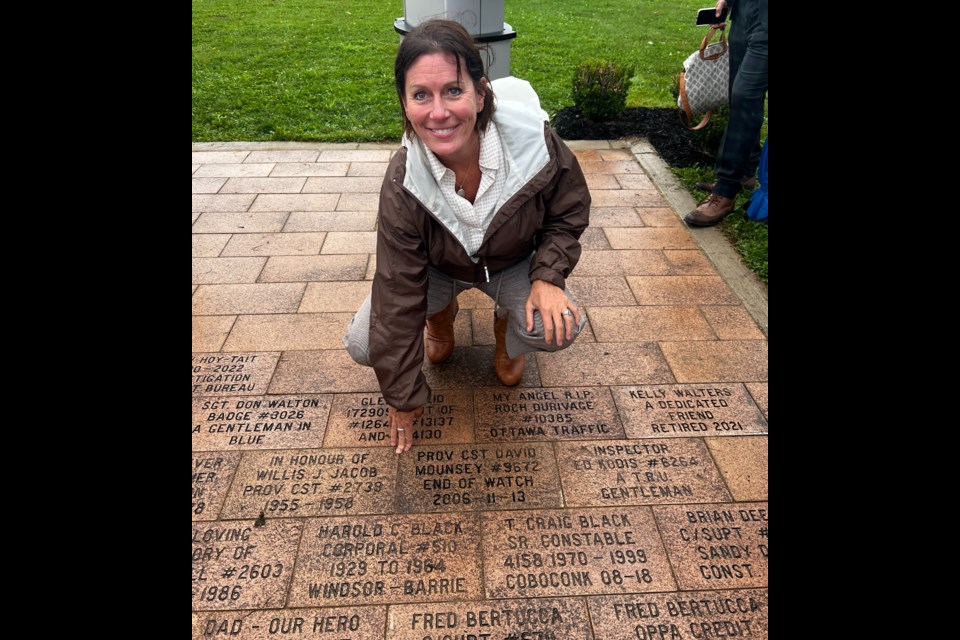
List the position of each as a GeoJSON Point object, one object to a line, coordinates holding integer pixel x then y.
{"type": "Point", "coordinates": [401, 427]}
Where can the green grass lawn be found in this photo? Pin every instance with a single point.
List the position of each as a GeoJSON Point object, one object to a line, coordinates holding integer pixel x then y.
{"type": "Point", "coordinates": [323, 69]}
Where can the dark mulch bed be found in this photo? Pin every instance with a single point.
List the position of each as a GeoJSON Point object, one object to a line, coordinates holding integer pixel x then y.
{"type": "Point", "coordinates": [678, 146]}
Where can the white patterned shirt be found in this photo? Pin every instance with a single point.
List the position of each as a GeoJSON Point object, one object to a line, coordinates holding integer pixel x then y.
{"type": "Point", "coordinates": [475, 217]}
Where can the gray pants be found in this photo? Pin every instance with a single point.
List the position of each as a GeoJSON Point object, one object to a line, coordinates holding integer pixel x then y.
{"type": "Point", "coordinates": [509, 290]}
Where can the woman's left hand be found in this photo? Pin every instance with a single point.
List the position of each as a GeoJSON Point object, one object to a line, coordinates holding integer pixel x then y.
{"type": "Point", "coordinates": [551, 302]}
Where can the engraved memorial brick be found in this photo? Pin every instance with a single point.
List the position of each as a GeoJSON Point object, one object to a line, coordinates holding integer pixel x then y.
{"type": "Point", "coordinates": [357, 623]}
{"type": "Point", "coordinates": [573, 552]}
{"type": "Point", "coordinates": [533, 618]}
{"type": "Point", "coordinates": [686, 410]}
{"type": "Point", "coordinates": [237, 565]}
{"type": "Point", "coordinates": [716, 546]}
{"type": "Point", "coordinates": [387, 559]}
{"type": "Point", "coordinates": [440, 478]}
{"type": "Point", "coordinates": [238, 374]}
{"type": "Point", "coordinates": [311, 482]}
{"type": "Point", "coordinates": [639, 472]}
{"type": "Point", "coordinates": [740, 613]}
{"type": "Point", "coordinates": [211, 479]}
{"type": "Point", "coordinates": [360, 420]}
{"type": "Point", "coordinates": [262, 422]}
{"type": "Point", "coordinates": [564, 413]}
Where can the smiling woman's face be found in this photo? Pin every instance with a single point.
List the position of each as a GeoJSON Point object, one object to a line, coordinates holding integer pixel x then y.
{"type": "Point", "coordinates": [442, 110]}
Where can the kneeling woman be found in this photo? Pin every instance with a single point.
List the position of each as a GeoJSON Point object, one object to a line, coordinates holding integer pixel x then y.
{"type": "Point", "coordinates": [482, 194]}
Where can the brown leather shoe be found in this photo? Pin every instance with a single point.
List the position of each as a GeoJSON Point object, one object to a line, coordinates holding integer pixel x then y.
{"type": "Point", "coordinates": [711, 211]}
{"type": "Point", "coordinates": [439, 339]}
{"type": "Point", "coordinates": [749, 183]}
{"type": "Point", "coordinates": [509, 370]}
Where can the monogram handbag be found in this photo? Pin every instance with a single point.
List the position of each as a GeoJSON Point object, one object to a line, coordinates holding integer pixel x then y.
{"type": "Point", "coordinates": [704, 81]}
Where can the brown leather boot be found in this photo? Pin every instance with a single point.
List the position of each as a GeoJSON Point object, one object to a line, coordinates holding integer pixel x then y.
{"type": "Point", "coordinates": [509, 370]}
{"type": "Point", "coordinates": [439, 342]}
{"type": "Point", "coordinates": [711, 211]}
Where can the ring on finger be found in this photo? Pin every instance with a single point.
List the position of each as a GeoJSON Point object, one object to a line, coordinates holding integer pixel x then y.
{"type": "Point", "coordinates": [401, 429]}
{"type": "Point", "coordinates": [567, 312]}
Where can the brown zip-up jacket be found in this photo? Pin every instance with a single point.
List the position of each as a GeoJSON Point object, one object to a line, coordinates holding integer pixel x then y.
{"type": "Point", "coordinates": [546, 209]}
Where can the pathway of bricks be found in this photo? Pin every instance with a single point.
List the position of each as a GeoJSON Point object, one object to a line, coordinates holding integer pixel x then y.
{"type": "Point", "coordinates": [619, 492]}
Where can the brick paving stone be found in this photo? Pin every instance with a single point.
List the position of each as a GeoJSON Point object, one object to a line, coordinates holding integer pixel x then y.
{"type": "Point", "coordinates": [601, 181]}
{"type": "Point", "coordinates": [275, 244]}
{"type": "Point", "coordinates": [413, 558]}
{"type": "Point", "coordinates": [322, 371]}
{"type": "Point", "coordinates": [326, 297]}
{"type": "Point", "coordinates": [599, 291]}
{"type": "Point", "coordinates": [759, 392]}
{"type": "Point", "coordinates": [226, 270]}
{"type": "Point", "coordinates": [666, 290]}
{"type": "Point", "coordinates": [288, 332]}
{"type": "Point", "coordinates": [632, 472]}
{"type": "Point", "coordinates": [310, 169]}
{"type": "Point", "coordinates": [585, 364]}
{"type": "Point", "coordinates": [283, 156]}
{"type": "Point", "coordinates": [574, 552]}
{"type": "Point", "coordinates": [295, 483]}
{"type": "Point", "coordinates": [208, 185]}
{"type": "Point", "coordinates": [634, 181]}
{"type": "Point", "coordinates": [724, 361]}
{"type": "Point", "coordinates": [241, 374]}
{"type": "Point", "coordinates": [743, 463]}
{"type": "Point", "coordinates": [222, 299]}
{"type": "Point", "coordinates": [732, 323]}
{"type": "Point", "coordinates": [226, 203]}
{"type": "Point", "coordinates": [222, 582]}
{"type": "Point", "coordinates": [208, 157]}
{"type": "Point", "coordinates": [684, 410]}
{"type": "Point", "coordinates": [615, 217]}
{"type": "Point", "coordinates": [735, 613]}
{"type": "Point", "coordinates": [361, 623]}
{"type": "Point", "coordinates": [627, 198]}
{"type": "Point", "coordinates": [313, 268]}
{"type": "Point", "coordinates": [377, 169]}
{"type": "Point", "coordinates": [241, 423]}
{"type": "Point", "coordinates": [331, 221]}
{"type": "Point", "coordinates": [546, 618]}
{"type": "Point", "coordinates": [263, 185]}
{"type": "Point", "coordinates": [295, 202]}
{"type": "Point", "coordinates": [234, 170]}
{"type": "Point", "coordinates": [716, 546]}
{"type": "Point", "coordinates": [212, 473]}
{"type": "Point", "coordinates": [236, 222]}
{"type": "Point", "coordinates": [650, 238]}
{"type": "Point", "coordinates": [648, 324]}
{"type": "Point", "coordinates": [344, 242]}
{"type": "Point", "coordinates": [209, 245]}
{"type": "Point", "coordinates": [659, 217]}
{"type": "Point", "coordinates": [210, 332]}
{"type": "Point", "coordinates": [555, 413]}
{"type": "Point", "coordinates": [478, 477]}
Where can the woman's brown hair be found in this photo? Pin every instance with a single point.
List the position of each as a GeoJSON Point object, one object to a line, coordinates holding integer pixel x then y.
{"type": "Point", "coordinates": [449, 38]}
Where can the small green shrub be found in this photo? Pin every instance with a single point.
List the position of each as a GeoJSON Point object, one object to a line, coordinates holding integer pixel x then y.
{"type": "Point", "coordinates": [600, 88]}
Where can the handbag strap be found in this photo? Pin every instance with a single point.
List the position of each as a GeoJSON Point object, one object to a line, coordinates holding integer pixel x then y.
{"type": "Point", "coordinates": [684, 113]}
{"type": "Point", "coordinates": [707, 38]}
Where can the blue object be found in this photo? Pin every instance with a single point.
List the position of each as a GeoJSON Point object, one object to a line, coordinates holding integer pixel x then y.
{"type": "Point", "coordinates": [757, 207]}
